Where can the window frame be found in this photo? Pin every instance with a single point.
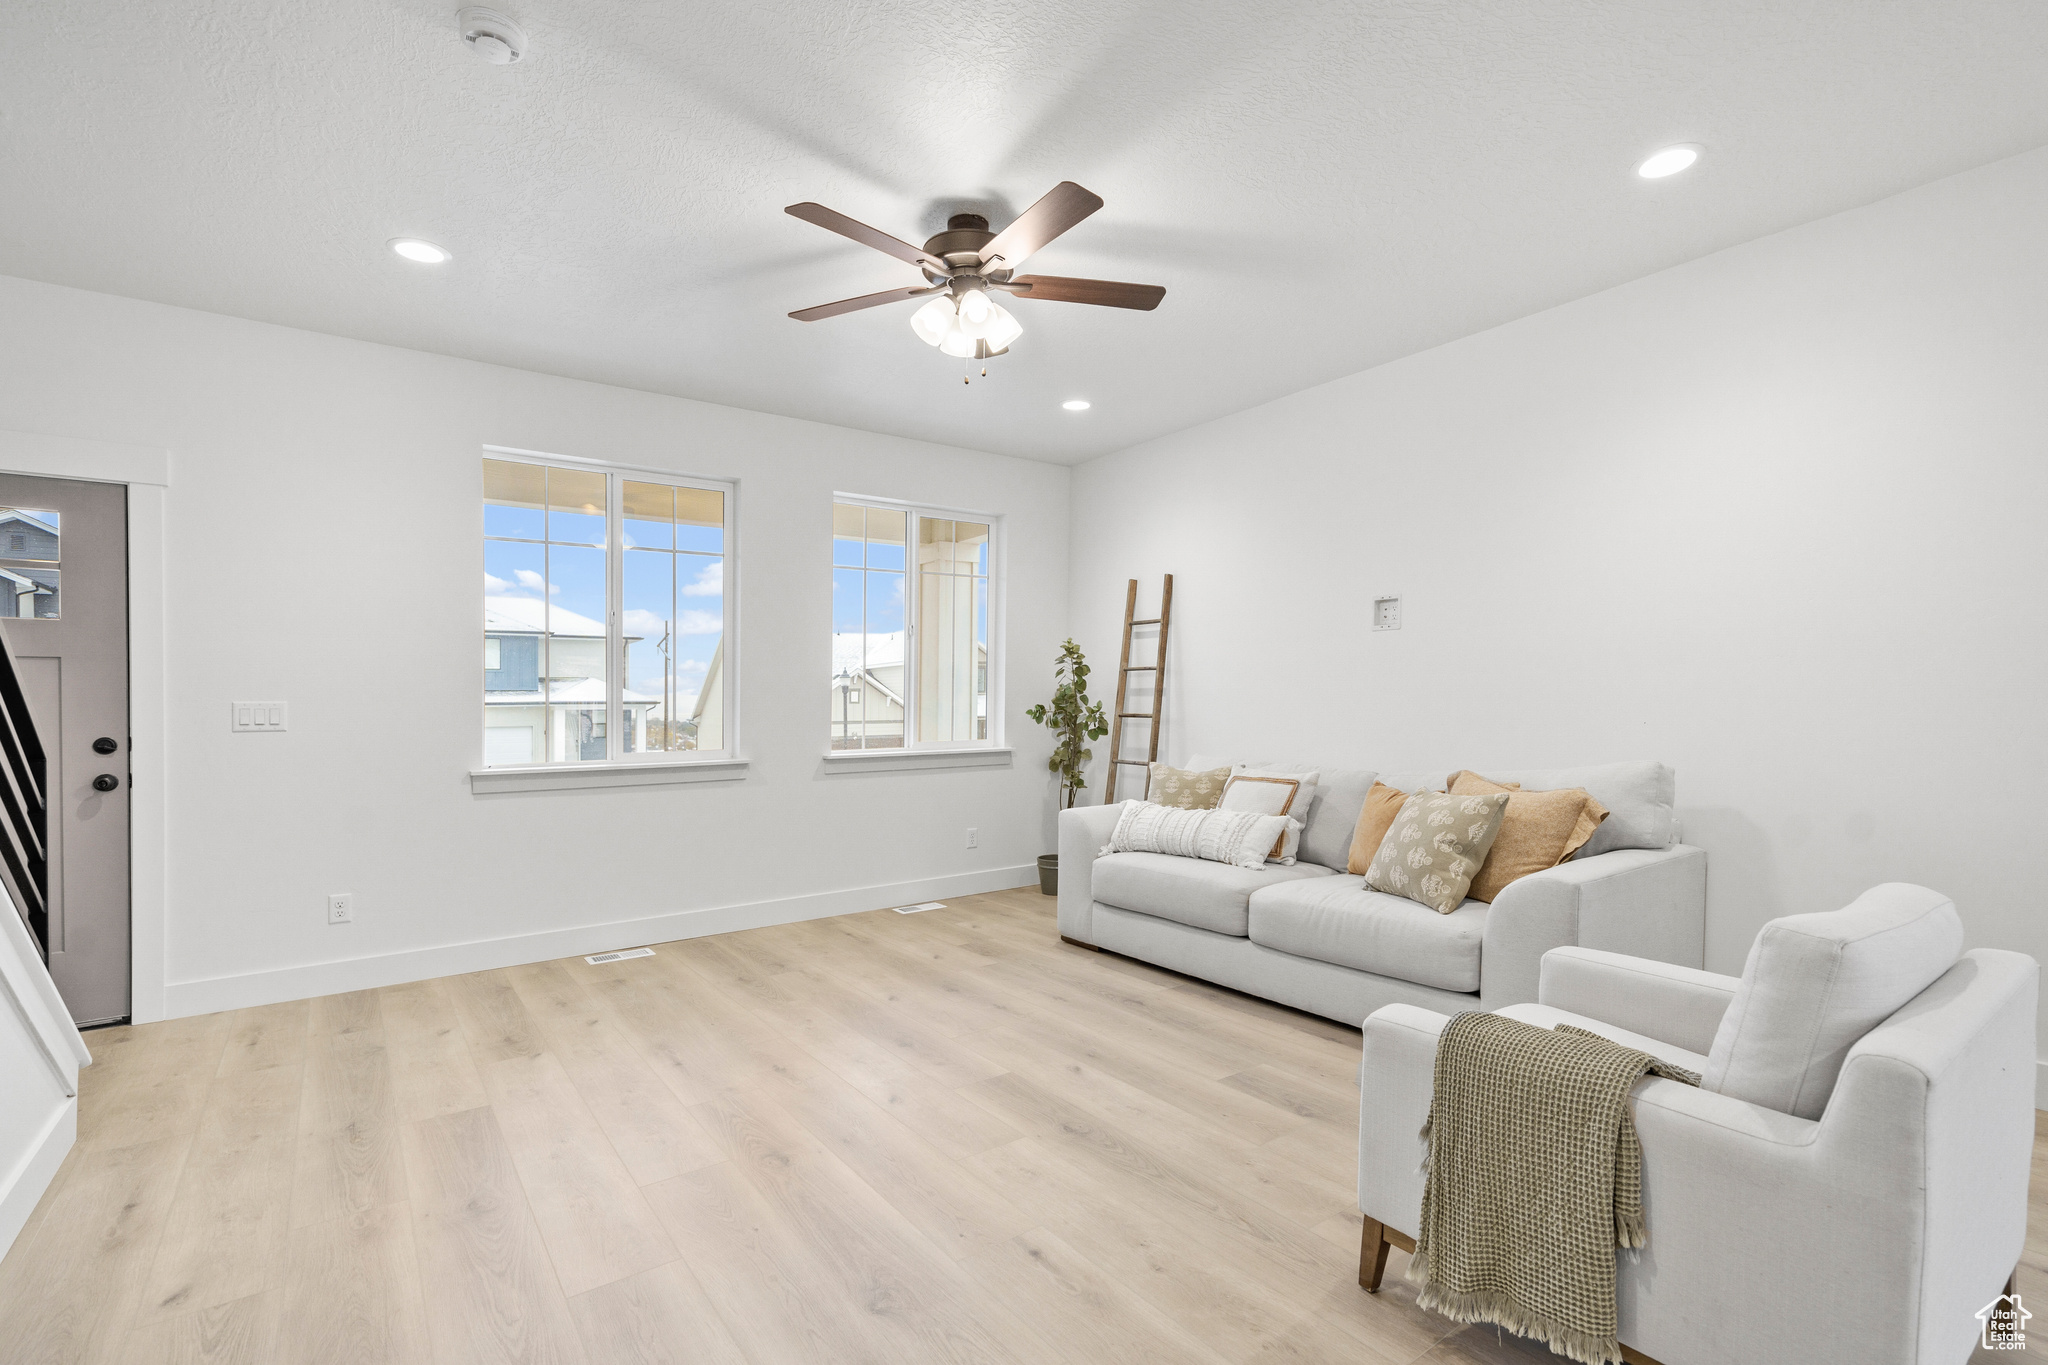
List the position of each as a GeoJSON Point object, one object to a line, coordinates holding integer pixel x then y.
{"type": "Point", "coordinates": [914, 512]}
{"type": "Point", "coordinates": [617, 474]}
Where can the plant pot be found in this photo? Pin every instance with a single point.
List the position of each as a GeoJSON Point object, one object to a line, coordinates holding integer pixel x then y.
{"type": "Point", "coordinates": [1049, 873]}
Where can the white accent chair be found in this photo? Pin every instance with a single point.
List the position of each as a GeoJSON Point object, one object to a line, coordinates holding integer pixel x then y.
{"type": "Point", "coordinates": [1850, 1182]}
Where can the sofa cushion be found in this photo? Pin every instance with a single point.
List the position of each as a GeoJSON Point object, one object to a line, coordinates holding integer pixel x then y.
{"type": "Point", "coordinates": [1326, 837]}
{"type": "Point", "coordinates": [1190, 891]}
{"type": "Point", "coordinates": [1341, 920]}
{"type": "Point", "coordinates": [1639, 798]}
{"type": "Point", "coordinates": [1547, 1016]}
{"type": "Point", "coordinates": [1814, 984]}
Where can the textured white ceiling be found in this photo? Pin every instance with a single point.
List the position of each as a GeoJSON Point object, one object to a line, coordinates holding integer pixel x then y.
{"type": "Point", "coordinates": [1321, 185]}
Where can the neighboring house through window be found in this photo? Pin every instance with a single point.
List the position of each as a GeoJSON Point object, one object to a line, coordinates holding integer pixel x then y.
{"type": "Point", "coordinates": [605, 613]}
{"type": "Point", "coordinates": [910, 627]}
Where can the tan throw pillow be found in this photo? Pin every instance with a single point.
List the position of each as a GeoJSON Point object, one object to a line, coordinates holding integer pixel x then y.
{"type": "Point", "coordinates": [1186, 789]}
{"type": "Point", "coordinates": [1437, 845]}
{"type": "Point", "coordinates": [1382, 804]}
{"type": "Point", "coordinates": [1451, 782]}
{"type": "Point", "coordinates": [1539, 830]}
{"type": "Point", "coordinates": [1269, 795]}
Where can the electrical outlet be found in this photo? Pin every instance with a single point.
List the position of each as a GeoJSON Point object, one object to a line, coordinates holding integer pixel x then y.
{"type": "Point", "coordinates": [260, 717]}
{"type": "Point", "coordinates": [341, 908]}
{"type": "Point", "coordinates": [1386, 613]}
{"type": "Point", "coordinates": [974, 838]}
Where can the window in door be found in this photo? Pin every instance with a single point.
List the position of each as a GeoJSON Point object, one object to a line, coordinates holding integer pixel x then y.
{"type": "Point", "coordinates": [911, 637]}
{"type": "Point", "coordinates": [606, 619]}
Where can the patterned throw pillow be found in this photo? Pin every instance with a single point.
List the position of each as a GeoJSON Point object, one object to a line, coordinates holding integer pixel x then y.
{"type": "Point", "coordinates": [1437, 845]}
{"type": "Point", "coordinates": [1186, 788]}
{"type": "Point", "coordinates": [1238, 837]}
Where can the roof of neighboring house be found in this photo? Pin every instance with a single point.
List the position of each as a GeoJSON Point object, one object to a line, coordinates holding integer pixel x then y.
{"type": "Point", "coordinates": [8, 514]}
{"type": "Point", "coordinates": [883, 651]}
{"type": "Point", "coordinates": [529, 616]}
{"type": "Point", "coordinates": [567, 691]}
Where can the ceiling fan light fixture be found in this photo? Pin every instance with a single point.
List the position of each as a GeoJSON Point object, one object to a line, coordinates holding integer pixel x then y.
{"type": "Point", "coordinates": [956, 342]}
{"type": "Point", "coordinates": [976, 308]}
{"type": "Point", "coordinates": [1002, 329]}
{"type": "Point", "coordinates": [932, 321]}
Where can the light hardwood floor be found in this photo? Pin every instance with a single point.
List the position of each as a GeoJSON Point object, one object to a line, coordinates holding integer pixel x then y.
{"type": "Point", "coordinates": [878, 1138]}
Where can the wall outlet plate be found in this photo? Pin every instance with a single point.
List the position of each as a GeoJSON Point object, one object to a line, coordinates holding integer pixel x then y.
{"type": "Point", "coordinates": [341, 908]}
{"type": "Point", "coordinates": [1386, 613]}
{"type": "Point", "coordinates": [258, 717]}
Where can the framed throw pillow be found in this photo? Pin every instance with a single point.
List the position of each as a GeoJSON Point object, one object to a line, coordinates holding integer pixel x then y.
{"type": "Point", "coordinates": [1382, 804]}
{"type": "Point", "coordinates": [1269, 791]}
{"type": "Point", "coordinates": [1437, 845]}
{"type": "Point", "coordinates": [1539, 830]}
{"type": "Point", "coordinates": [1240, 838]}
{"type": "Point", "coordinates": [1186, 788]}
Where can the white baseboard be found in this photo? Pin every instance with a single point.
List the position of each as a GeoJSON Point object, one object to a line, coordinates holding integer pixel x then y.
{"type": "Point", "coordinates": [34, 1172]}
{"type": "Point", "coordinates": [183, 998]}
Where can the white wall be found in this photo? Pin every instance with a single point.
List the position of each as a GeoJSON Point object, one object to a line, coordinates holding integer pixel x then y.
{"type": "Point", "coordinates": [324, 548]}
{"type": "Point", "coordinates": [1778, 517]}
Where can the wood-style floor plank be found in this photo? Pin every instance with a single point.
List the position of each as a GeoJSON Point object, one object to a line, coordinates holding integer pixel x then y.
{"type": "Point", "coordinates": [876, 1139]}
{"type": "Point", "coordinates": [482, 1265]}
{"type": "Point", "coordinates": [224, 1235]}
{"type": "Point", "coordinates": [596, 1226]}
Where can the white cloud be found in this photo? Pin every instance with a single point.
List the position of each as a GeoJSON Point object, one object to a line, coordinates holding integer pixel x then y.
{"type": "Point", "coordinates": [646, 624]}
{"type": "Point", "coordinates": [495, 584]}
{"type": "Point", "coordinates": [710, 583]}
{"type": "Point", "coordinates": [533, 582]}
{"type": "Point", "coordinates": [700, 623]}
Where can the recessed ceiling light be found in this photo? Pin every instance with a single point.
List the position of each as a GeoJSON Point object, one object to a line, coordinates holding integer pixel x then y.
{"type": "Point", "coordinates": [413, 249]}
{"type": "Point", "coordinates": [1075, 405]}
{"type": "Point", "coordinates": [1670, 161]}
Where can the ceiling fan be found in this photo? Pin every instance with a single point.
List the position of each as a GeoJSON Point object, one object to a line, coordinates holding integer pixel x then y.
{"type": "Point", "coordinates": [966, 261]}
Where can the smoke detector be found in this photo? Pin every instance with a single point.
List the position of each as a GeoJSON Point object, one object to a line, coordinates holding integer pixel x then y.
{"type": "Point", "coordinates": [491, 35]}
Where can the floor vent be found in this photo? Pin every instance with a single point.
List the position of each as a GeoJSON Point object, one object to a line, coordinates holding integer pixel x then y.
{"type": "Point", "coordinates": [921, 905]}
{"type": "Point", "coordinates": [603, 958]}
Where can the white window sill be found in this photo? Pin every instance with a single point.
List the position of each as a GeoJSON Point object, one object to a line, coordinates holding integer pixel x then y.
{"type": "Point", "coordinates": [904, 760]}
{"type": "Point", "coordinates": [577, 776]}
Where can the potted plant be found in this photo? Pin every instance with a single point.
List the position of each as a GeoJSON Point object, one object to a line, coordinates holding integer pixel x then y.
{"type": "Point", "coordinates": [1075, 720]}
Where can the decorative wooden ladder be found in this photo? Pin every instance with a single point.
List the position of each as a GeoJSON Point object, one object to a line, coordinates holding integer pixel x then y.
{"type": "Point", "coordinates": [1157, 668]}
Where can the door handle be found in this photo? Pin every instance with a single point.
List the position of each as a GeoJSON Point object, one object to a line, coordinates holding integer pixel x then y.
{"type": "Point", "coordinates": [105, 782]}
{"type": "Point", "coordinates": [104, 745]}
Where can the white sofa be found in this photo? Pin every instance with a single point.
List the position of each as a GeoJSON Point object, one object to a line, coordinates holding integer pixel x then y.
{"type": "Point", "coordinates": [1849, 1186]}
{"type": "Point", "coordinates": [1314, 937]}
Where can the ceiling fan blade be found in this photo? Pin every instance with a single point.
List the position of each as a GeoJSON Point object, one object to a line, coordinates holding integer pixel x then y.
{"type": "Point", "coordinates": [834, 221]}
{"type": "Point", "coordinates": [1064, 205]}
{"type": "Point", "coordinates": [833, 310]}
{"type": "Point", "coordinates": [1108, 293]}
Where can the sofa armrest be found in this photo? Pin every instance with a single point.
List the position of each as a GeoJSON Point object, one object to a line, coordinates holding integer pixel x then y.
{"type": "Point", "coordinates": [1083, 832]}
{"type": "Point", "coordinates": [1679, 1005]}
{"type": "Point", "coordinates": [1646, 902]}
{"type": "Point", "coordinates": [1396, 1077]}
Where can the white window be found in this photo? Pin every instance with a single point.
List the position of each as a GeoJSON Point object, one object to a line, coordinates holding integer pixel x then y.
{"type": "Point", "coordinates": [606, 617]}
{"type": "Point", "coordinates": [912, 642]}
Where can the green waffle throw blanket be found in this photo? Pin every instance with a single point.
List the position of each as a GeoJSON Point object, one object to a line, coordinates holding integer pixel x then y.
{"type": "Point", "coordinates": [1535, 1177]}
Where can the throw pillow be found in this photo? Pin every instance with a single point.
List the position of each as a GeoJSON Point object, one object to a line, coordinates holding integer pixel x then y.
{"type": "Point", "coordinates": [1382, 804]}
{"type": "Point", "coordinates": [1540, 829]}
{"type": "Point", "coordinates": [1270, 796]}
{"type": "Point", "coordinates": [1240, 838]}
{"type": "Point", "coordinates": [1437, 845]}
{"type": "Point", "coordinates": [1451, 782]}
{"type": "Point", "coordinates": [1305, 784]}
{"type": "Point", "coordinates": [1186, 788]}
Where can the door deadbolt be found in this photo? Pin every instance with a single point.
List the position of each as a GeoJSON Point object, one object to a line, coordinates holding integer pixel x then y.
{"type": "Point", "coordinates": [104, 745]}
{"type": "Point", "coordinates": [105, 782]}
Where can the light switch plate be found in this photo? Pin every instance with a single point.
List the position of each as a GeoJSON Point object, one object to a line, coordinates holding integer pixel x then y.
{"type": "Point", "coordinates": [1386, 613]}
{"type": "Point", "coordinates": [258, 717]}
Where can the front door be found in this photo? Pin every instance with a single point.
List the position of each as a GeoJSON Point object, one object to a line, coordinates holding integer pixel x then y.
{"type": "Point", "coordinates": [64, 598]}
